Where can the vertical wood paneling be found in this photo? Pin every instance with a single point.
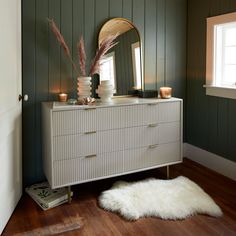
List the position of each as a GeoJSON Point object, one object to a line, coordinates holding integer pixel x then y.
{"type": "Point", "coordinates": [127, 9]}
{"type": "Point", "coordinates": [66, 30]}
{"type": "Point", "coordinates": [160, 59]}
{"type": "Point", "coordinates": [78, 31]}
{"type": "Point", "coordinates": [115, 8]}
{"type": "Point", "coordinates": [222, 134]}
{"type": "Point", "coordinates": [210, 120]}
{"type": "Point", "coordinates": [54, 75]}
{"type": "Point", "coordinates": [41, 75]}
{"type": "Point", "coordinates": [28, 68]}
{"type": "Point", "coordinates": [150, 39]}
{"type": "Point", "coordinates": [46, 70]}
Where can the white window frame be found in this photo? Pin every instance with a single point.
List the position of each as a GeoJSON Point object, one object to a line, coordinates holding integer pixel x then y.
{"type": "Point", "coordinates": [212, 88]}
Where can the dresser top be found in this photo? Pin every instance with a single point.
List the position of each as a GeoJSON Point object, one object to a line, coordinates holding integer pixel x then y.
{"type": "Point", "coordinates": [116, 101]}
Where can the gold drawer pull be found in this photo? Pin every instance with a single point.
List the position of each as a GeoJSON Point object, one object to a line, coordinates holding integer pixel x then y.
{"type": "Point", "coordinates": [153, 146]}
{"type": "Point", "coordinates": [91, 132]}
{"type": "Point", "coordinates": [91, 156]}
{"type": "Point", "coordinates": [89, 108]}
{"type": "Point", "coordinates": [152, 125]}
{"type": "Point", "coordinates": [152, 104]}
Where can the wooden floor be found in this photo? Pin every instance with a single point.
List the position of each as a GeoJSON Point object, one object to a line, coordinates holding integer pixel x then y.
{"type": "Point", "coordinates": [29, 217]}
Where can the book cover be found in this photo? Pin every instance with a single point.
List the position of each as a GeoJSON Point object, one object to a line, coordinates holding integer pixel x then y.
{"type": "Point", "coordinates": [47, 197]}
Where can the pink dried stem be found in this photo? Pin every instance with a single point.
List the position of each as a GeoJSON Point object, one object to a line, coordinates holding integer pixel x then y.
{"type": "Point", "coordinates": [82, 56]}
{"type": "Point", "coordinates": [62, 42]}
{"type": "Point", "coordinates": [104, 47]}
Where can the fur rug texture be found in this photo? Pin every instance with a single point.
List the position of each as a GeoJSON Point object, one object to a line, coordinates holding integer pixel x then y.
{"type": "Point", "coordinates": [172, 199]}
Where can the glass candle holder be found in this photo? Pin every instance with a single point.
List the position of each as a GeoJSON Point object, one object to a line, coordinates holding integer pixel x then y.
{"type": "Point", "coordinates": [62, 97]}
{"type": "Point", "coordinates": [165, 92]}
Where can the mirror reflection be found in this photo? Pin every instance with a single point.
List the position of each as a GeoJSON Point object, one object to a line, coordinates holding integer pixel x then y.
{"type": "Point", "coordinates": [122, 65]}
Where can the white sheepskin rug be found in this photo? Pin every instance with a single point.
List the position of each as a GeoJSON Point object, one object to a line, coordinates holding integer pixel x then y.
{"type": "Point", "coordinates": [168, 199]}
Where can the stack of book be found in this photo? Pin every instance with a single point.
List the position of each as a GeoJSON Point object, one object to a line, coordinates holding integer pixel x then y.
{"type": "Point", "coordinates": [46, 197]}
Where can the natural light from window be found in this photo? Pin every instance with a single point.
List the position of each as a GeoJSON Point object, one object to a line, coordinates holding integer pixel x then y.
{"type": "Point", "coordinates": [225, 54]}
{"type": "Point", "coordinates": [107, 68]}
{"type": "Point", "coordinates": [221, 56]}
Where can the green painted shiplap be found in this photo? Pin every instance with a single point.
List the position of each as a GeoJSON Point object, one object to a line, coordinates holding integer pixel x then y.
{"type": "Point", "coordinates": [210, 120]}
{"type": "Point", "coordinates": [46, 71]}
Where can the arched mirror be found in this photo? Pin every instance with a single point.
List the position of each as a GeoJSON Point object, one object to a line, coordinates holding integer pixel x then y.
{"type": "Point", "coordinates": [123, 63]}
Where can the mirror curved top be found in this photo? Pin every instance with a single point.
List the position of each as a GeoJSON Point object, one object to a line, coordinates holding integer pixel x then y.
{"type": "Point", "coordinates": [123, 63]}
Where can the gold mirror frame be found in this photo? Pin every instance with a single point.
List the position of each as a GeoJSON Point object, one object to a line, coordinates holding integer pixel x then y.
{"type": "Point", "coordinates": [110, 25]}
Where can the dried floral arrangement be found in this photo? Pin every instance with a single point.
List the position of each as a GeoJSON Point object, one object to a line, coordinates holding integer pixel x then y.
{"type": "Point", "coordinates": [104, 47]}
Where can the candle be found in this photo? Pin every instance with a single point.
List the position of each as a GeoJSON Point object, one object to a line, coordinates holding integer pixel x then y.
{"type": "Point", "coordinates": [165, 92]}
{"type": "Point", "coordinates": [62, 97]}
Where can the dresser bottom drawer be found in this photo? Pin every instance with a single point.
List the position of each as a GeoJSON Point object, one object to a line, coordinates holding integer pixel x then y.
{"type": "Point", "coordinates": [84, 169]}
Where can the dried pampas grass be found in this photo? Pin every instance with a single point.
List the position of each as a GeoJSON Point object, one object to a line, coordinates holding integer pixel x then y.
{"type": "Point", "coordinates": [61, 41]}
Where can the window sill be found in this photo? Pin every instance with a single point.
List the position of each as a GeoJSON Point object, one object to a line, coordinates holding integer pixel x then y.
{"type": "Point", "coordinates": [218, 91]}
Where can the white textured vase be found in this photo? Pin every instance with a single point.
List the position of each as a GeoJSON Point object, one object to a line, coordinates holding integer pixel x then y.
{"type": "Point", "coordinates": [84, 87]}
{"type": "Point", "coordinates": [105, 91]}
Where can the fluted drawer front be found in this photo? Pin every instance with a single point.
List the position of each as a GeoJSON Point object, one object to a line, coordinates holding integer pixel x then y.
{"type": "Point", "coordinates": [151, 156]}
{"type": "Point", "coordinates": [79, 121]}
{"type": "Point", "coordinates": [68, 172]}
{"type": "Point", "coordinates": [142, 136]}
{"type": "Point", "coordinates": [169, 112]}
{"type": "Point", "coordinates": [150, 134]}
{"type": "Point", "coordinates": [72, 146]}
{"type": "Point", "coordinates": [169, 132]}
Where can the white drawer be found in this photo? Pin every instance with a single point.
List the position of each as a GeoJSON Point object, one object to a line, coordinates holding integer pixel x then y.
{"type": "Point", "coordinates": [152, 156]}
{"type": "Point", "coordinates": [83, 120]}
{"type": "Point", "coordinates": [80, 121]}
{"type": "Point", "coordinates": [78, 145]}
{"type": "Point", "coordinates": [68, 172]}
{"type": "Point", "coordinates": [151, 134]}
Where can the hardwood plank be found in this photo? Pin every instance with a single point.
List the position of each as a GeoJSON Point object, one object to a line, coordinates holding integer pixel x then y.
{"type": "Point", "coordinates": [28, 216]}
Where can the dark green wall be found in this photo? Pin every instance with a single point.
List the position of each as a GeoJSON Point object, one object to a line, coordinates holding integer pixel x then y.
{"type": "Point", "coordinates": [46, 72]}
{"type": "Point", "coordinates": [211, 121]}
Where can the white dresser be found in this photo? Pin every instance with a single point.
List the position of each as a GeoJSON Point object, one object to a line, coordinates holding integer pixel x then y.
{"type": "Point", "coordinates": [86, 143]}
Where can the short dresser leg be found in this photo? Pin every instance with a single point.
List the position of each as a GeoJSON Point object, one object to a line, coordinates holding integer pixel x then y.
{"type": "Point", "coordinates": [167, 172]}
{"type": "Point", "coordinates": [69, 194]}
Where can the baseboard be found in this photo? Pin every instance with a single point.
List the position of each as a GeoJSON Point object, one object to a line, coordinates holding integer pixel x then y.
{"type": "Point", "coordinates": [210, 160]}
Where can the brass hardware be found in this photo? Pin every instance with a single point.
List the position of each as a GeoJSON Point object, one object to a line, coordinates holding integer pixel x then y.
{"type": "Point", "coordinates": [90, 108]}
{"type": "Point", "coordinates": [91, 156]}
{"type": "Point", "coordinates": [167, 172]}
{"type": "Point", "coordinates": [69, 194]}
{"type": "Point", "coordinates": [153, 146]}
{"type": "Point", "coordinates": [152, 104]}
{"type": "Point", "coordinates": [91, 132]}
{"type": "Point", "coordinates": [152, 125]}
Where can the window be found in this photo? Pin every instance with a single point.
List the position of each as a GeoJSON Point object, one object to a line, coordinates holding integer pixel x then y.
{"type": "Point", "coordinates": [221, 56]}
{"type": "Point", "coordinates": [108, 69]}
{"type": "Point", "coordinates": [136, 65]}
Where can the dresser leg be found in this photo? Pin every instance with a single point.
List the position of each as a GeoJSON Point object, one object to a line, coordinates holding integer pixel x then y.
{"type": "Point", "coordinates": [69, 194]}
{"type": "Point", "coordinates": [167, 172]}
